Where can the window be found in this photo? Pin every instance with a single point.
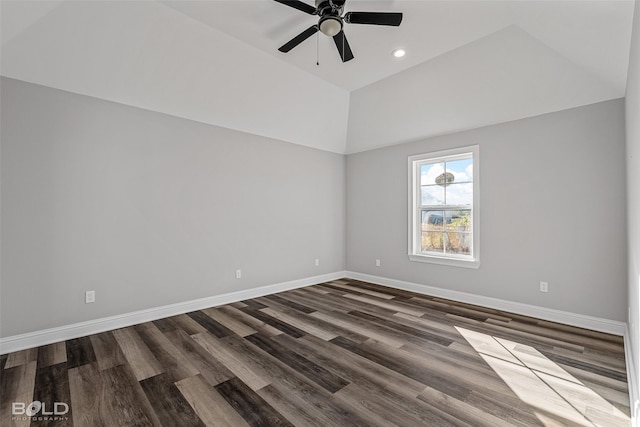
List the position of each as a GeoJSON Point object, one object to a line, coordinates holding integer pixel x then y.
{"type": "Point", "coordinates": [443, 207]}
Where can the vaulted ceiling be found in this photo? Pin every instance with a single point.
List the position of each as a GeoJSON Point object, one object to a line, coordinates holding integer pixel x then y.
{"type": "Point", "coordinates": [468, 63]}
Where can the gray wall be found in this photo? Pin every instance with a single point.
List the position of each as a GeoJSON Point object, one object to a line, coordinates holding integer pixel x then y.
{"type": "Point", "coordinates": [148, 209]}
{"type": "Point", "coordinates": [632, 104]}
{"type": "Point", "coordinates": [552, 209]}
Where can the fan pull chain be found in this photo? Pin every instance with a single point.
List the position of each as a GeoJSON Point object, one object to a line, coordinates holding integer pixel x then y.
{"type": "Point", "coordinates": [318, 49]}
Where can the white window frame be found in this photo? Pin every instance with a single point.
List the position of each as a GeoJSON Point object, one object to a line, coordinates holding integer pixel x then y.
{"type": "Point", "coordinates": [415, 203]}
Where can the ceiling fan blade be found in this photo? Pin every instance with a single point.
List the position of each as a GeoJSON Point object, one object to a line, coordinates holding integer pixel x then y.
{"type": "Point", "coordinates": [343, 47]}
{"type": "Point", "coordinates": [374, 18]}
{"type": "Point", "coordinates": [297, 4]}
{"type": "Point", "coordinates": [299, 39]}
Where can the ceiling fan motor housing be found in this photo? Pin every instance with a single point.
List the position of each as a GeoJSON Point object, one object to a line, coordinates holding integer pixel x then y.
{"type": "Point", "coordinates": [329, 7]}
{"type": "Point", "coordinates": [334, 4]}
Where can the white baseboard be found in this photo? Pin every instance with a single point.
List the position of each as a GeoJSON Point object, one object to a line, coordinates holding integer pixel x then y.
{"type": "Point", "coordinates": [632, 380]}
{"type": "Point", "coordinates": [62, 333]}
{"type": "Point", "coordinates": [76, 330]}
{"type": "Point", "coordinates": [567, 318]}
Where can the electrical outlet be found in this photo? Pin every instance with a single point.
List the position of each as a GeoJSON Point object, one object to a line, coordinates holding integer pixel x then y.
{"type": "Point", "coordinates": [377, 263]}
{"type": "Point", "coordinates": [317, 262]}
{"type": "Point", "coordinates": [238, 274]}
{"type": "Point", "coordinates": [544, 287]}
{"type": "Point", "coordinates": [89, 297]}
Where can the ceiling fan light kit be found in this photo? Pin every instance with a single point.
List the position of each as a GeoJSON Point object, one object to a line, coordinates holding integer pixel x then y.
{"type": "Point", "coordinates": [330, 25]}
{"type": "Point", "coordinates": [332, 21]}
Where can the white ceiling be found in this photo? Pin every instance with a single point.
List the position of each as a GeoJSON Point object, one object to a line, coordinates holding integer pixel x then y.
{"type": "Point", "coordinates": [468, 63]}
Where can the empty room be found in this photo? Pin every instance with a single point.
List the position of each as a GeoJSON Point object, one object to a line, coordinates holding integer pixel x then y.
{"type": "Point", "coordinates": [319, 213]}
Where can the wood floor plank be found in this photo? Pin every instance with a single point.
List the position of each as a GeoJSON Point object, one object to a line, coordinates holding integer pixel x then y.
{"type": "Point", "coordinates": [253, 304]}
{"type": "Point", "coordinates": [513, 414]}
{"type": "Point", "coordinates": [208, 404]}
{"type": "Point", "coordinates": [303, 325]}
{"type": "Point", "coordinates": [341, 353]}
{"type": "Point", "coordinates": [216, 328]}
{"type": "Point", "coordinates": [605, 358]}
{"type": "Point", "coordinates": [385, 412]}
{"type": "Point", "coordinates": [167, 324]}
{"type": "Point", "coordinates": [16, 385]}
{"type": "Point", "coordinates": [322, 406]}
{"type": "Point", "coordinates": [187, 324]}
{"type": "Point", "coordinates": [51, 387]}
{"type": "Point", "coordinates": [322, 302]}
{"type": "Point", "coordinates": [21, 357]}
{"type": "Point", "coordinates": [80, 352]}
{"type": "Point", "coordinates": [285, 379]}
{"type": "Point", "coordinates": [284, 301]}
{"type": "Point", "coordinates": [389, 305]}
{"type": "Point", "coordinates": [254, 409]}
{"type": "Point", "coordinates": [396, 293]}
{"type": "Point", "coordinates": [250, 321]}
{"type": "Point", "coordinates": [462, 410]}
{"type": "Point", "coordinates": [167, 401]}
{"type": "Point", "coordinates": [410, 331]}
{"type": "Point", "coordinates": [353, 367]}
{"type": "Point", "coordinates": [52, 354]}
{"type": "Point", "coordinates": [528, 338]}
{"type": "Point", "coordinates": [362, 290]}
{"type": "Point", "coordinates": [314, 372]}
{"type": "Point", "coordinates": [293, 407]}
{"type": "Point", "coordinates": [428, 324]}
{"type": "Point", "coordinates": [229, 322]}
{"type": "Point", "coordinates": [582, 339]}
{"type": "Point", "coordinates": [107, 350]}
{"type": "Point", "coordinates": [363, 328]}
{"type": "Point", "coordinates": [316, 290]}
{"type": "Point", "coordinates": [252, 372]}
{"type": "Point", "coordinates": [174, 362]}
{"type": "Point", "coordinates": [415, 368]}
{"type": "Point", "coordinates": [86, 388]}
{"type": "Point", "coordinates": [211, 369]}
{"type": "Point", "coordinates": [278, 324]}
{"type": "Point", "coordinates": [122, 401]}
{"type": "Point", "coordinates": [325, 307]}
{"type": "Point", "coordinates": [139, 357]}
{"type": "Point", "coordinates": [585, 366]}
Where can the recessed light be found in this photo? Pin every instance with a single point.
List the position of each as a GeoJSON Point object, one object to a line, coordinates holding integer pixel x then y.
{"type": "Point", "coordinates": [399, 53]}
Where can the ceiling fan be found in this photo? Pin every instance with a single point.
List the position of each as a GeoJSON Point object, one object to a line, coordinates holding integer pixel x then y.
{"type": "Point", "coordinates": [332, 20]}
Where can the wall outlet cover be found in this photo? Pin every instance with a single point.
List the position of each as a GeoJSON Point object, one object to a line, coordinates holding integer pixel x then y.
{"type": "Point", "coordinates": [89, 297]}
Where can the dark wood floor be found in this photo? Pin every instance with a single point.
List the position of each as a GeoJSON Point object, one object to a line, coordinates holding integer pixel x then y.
{"type": "Point", "coordinates": [344, 353]}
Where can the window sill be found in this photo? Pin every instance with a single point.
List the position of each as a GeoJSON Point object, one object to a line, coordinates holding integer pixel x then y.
{"type": "Point", "coordinates": [445, 261]}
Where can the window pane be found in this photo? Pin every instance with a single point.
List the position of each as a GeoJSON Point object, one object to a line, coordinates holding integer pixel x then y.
{"type": "Point", "coordinates": [443, 187]}
{"type": "Point", "coordinates": [429, 172]}
{"type": "Point", "coordinates": [432, 195]}
{"type": "Point", "coordinates": [462, 170]}
{"type": "Point", "coordinates": [459, 243]}
{"type": "Point", "coordinates": [432, 241]}
{"type": "Point", "coordinates": [458, 221]}
{"type": "Point", "coordinates": [460, 194]}
{"type": "Point", "coordinates": [432, 220]}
